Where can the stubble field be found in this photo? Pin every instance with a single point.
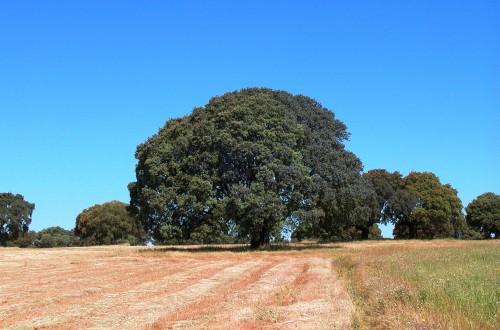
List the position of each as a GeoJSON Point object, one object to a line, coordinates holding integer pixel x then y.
{"type": "Point", "coordinates": [134, 288]}
{"type": "Point", "coordinates": [341, 286]}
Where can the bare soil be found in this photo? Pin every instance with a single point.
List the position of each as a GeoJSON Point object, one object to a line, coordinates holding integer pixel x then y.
{"type": "Point", "coordinates": [154, 288]}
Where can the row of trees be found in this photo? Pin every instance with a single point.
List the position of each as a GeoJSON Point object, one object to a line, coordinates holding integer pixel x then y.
{"type": "Point", "coordinates": [252, 166]}
{"type": "Point", "coordinates": [102, 224]}
{"type": "Point", "coordinates": [256, 163]}
{"type": "Point", "coordinates": [110, 223]}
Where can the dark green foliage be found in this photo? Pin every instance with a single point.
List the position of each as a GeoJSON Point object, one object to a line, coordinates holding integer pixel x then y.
{"type": "Point", "coordinates": [107, 224]}
{"type": "Point", "coordinates": [375, 232]}
{"type": "Point", "coordinates": [468, 233]}
{"type": "Point", "coordinates": [422, 207]}
{"type": "Point", "coordinates": [24, 240]}
{"type": "Point", "coordinates": [54, 237]}
{"type": "Point", "coordinates": [483, 214]}
{"type": "Point", "coordinates": [246, 166]}
{"type": "Point", "coordinates": [15, 218]}
{"type": "Point", "coordinates": [385, 184]}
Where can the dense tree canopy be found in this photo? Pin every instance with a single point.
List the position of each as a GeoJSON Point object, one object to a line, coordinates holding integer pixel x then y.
{"type": "Point", "coordinates": [247, 166]}
{"type": "Point", "coordinates": [422, 207]}
{"type": "Point", "coordinates": [384, 185]}
{"type": "Point", "coordinates": [483, 214]}
{"type": "Point", "coordinates": [15, 217]}
{"type": "Point", "coordinates": [107, 224]}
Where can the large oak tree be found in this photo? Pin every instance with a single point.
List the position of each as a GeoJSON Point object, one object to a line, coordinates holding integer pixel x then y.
{"type": "Point", "coordinates": [245, 167]}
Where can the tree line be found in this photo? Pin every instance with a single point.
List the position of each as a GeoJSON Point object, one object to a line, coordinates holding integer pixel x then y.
{"type": "Point", "coordinates": [101, 224]}
{"type": "Point", "coordinates": [255, 165]}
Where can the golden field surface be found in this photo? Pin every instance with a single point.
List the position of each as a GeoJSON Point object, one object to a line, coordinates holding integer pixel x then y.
{"type": "Point", "coordinates": [365, 285]}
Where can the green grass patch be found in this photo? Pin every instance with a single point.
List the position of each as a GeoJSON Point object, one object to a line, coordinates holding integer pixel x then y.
{"type": "Point", "coordinates": [453, 281]}
{"type": "Point", "coordinates": [423, 285]}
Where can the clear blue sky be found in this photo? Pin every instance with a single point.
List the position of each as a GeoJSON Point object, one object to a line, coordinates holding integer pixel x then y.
{"type": "Point", "coordinates": [82, 83]}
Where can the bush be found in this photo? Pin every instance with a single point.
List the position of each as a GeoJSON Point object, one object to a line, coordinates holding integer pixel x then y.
{"type": "Point", "coordinates": [24, 241]}
{"type": "Point", "coordinates": [53, 237]}
{"type": "Point", "coordinates": [375, 232]}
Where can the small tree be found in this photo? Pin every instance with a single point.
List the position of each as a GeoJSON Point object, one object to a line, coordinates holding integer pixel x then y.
{"type": "Point", "coordinates": [483, 214]}
{"type": "Point", "coordinates": [15, 217]}
{"type": "Point", "coordinates": [422, 207]}
{"type": "Point", "coordinates": [108, 224]}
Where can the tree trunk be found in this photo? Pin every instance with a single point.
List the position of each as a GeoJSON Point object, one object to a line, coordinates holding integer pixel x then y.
{"type": "Point", "coordinates": [3, 239]}
{"type": "Point", "coordinates": [261, 238]}
{"type": "Point", "coordinates": [255, 243]}
{"type": "Point", "coordinates": [365, 232]}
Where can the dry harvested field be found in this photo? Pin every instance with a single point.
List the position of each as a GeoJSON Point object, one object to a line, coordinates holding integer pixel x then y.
{"type": "Point", "coordinates": [137, 287]}
{"type": "Point", "coordinates": [343, 286]}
